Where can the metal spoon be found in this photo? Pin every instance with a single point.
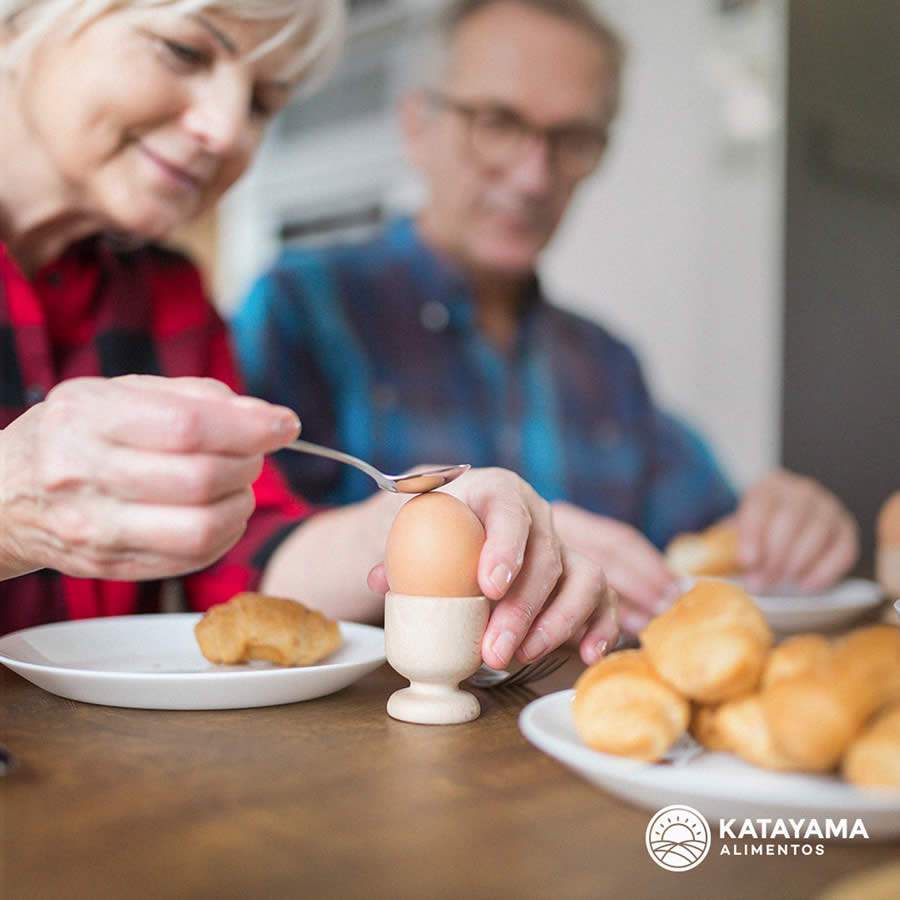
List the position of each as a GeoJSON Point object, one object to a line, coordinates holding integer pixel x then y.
{"type": "Point", "coordinates": [416, 483]}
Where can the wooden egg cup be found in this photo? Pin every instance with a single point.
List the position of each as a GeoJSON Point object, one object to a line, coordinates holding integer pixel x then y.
{"type": "Point", "coordinates": [435, 642]}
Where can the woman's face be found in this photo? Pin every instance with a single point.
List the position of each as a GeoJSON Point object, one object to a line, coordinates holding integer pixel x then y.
{"type": "Point", "coordinates": [146, 117]}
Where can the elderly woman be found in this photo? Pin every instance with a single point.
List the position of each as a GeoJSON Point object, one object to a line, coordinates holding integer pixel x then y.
{"type": "Point", "coordinates": [127, 455]}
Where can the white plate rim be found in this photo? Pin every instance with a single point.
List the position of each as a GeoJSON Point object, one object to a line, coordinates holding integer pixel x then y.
{"type": "Point", "coordinates": [870, 594]}
{"type": "Point", "coordinates": [649, 774]}
{"type": "Point", "coordinates": [192, 618]}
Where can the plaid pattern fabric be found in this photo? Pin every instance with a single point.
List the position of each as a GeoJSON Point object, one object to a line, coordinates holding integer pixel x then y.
{"type": "Point", "coordinates": [376, 345]}
{"type": "Point", "coordinates": [97, 312]}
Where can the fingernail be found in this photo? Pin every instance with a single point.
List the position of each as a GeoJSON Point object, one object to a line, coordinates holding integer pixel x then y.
{"type": "Point", "coordinates": [667, 599]}
{"type": "Point", "coordinates": [290, 424]}
{"type": "Point", "coordinates": [600, 648]}
{"type": "Point", "coordinates": [501, 577]}
{"type": "Point", "coordinates": [287, 424]}
{"type": "Point", "coordinates": [503, 647]}
{"type": "Point", "coordinates": [673, 592]}
{"type": "Point", "coordinates": [536, 645]}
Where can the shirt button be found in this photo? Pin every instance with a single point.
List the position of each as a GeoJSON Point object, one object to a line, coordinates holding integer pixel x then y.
{"type": "Point", "coordinates": [608, 433]}
{"type": "Point", "coordinates": [34, 393]}
{"type": "Point", "coordinates": [434, 316]}
{"type": "Point", "coordinates": [384, 396]}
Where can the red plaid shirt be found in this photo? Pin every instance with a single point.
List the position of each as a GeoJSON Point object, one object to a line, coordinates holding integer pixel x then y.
{"type": "Point", "coordinates": [98, 312]}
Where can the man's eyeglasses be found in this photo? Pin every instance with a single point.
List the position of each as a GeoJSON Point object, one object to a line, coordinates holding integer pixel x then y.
{"type": "Point", "coordinates": [498, 136]}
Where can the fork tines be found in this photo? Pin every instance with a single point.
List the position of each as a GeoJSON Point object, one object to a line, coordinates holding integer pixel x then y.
{"type": "Point", "coordinates": [536, 670]}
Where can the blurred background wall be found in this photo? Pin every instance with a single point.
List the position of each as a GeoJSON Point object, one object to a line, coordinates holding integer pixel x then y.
{"type": "Point", "coordinates": [676, 241]}
{"type": "Point", "coordinates": [841, 387]}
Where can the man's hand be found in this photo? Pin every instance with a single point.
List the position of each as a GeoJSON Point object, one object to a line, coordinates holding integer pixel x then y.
{"type": "Point", "coordinates": [791, 530]}
{"type": "Point", "coordinates": [545, 594]}
{"type": "Point", "coordinates": [132, 478]}
{"type": "Point", "coordinates": [634, 568]}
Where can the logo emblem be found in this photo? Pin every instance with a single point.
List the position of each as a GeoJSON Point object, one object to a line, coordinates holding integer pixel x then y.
{"type": "Point", "coordinates": [678, 838]}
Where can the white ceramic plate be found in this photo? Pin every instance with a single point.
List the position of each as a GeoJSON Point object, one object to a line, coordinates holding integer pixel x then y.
{"type": "Point", "coordinates": [153, 662]}
{"type": "Point", "coordinates": [789, 611]}
{"type": "Point", "coordinates": [717, 784]}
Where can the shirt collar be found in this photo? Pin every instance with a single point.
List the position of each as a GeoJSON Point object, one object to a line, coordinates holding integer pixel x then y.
{"type": "Point", "coordinates": [441, 281]}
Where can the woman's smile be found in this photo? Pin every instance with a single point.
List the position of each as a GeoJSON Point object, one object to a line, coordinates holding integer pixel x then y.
{"type": "Point", "coordinates": [172, 174]}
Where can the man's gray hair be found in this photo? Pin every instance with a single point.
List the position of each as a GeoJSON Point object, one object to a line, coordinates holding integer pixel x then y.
{"type": "Point", "coordinates": [580, 13]}
{"type": "Point", "coordinates": [321, 21]}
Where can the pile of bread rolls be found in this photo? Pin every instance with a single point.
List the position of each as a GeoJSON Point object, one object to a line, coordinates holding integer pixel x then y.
{"type": "Point", "coordinates": [708, 665]}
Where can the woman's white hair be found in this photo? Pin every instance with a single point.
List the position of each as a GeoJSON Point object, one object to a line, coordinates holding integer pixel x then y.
{"type": "Point", "coordinates": [321, 21]}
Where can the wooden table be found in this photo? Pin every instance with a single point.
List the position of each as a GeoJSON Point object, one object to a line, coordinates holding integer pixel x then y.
{"type": "Point", "coordinates": [331, 798]}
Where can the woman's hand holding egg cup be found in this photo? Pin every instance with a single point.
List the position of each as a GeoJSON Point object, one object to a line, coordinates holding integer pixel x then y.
{"type": "Point", "coordinates": [543, 594]}
{"type": "Point", "coordinates": [136, 477]}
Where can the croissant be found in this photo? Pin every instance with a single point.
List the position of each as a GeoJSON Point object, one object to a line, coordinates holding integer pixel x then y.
{"type": "Point", "coordinates": [623, 707]}
{"type": "Point", "coordinates": [740, 726]}
{"type": "Point", "coordinates": [254, 626]}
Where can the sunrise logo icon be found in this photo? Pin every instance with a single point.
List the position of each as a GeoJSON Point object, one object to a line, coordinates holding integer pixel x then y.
{"type": "Point", "coordinates": [678, 838]}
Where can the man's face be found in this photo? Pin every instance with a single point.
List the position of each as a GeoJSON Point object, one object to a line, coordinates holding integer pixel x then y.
{"type": "Point", "coordinates": [496, 216]}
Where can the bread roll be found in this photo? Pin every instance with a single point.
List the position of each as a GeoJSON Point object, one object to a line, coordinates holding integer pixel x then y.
{"type": "Point", "coordinates": [814, 717]}
{"type": "Point", "coordinates": [254, 626]}
{"type": "Point", "coordinates": [873, 759]}
{"type": "Point", "coordinates": [623, 707]}
{"type": "Point", "coordinates": [887, 552]}
{"type": "Point", "coordinates": [710, 552]}
{"type": "Point", "coordinates": [873, 654]}
{"type": "Point", "coordinates": [876, 883]}
{"type": "Point", "coordinates": [741, 727]}
{"type": "Point", "coordinates": [711, 645]}
{"type": "Point", "coordinates": [796, 656]}
{"type": "Point", "coordinates": [705, 729]}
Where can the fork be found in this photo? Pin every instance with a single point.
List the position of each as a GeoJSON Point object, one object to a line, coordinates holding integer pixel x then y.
{"type": "Point", "coordinates": [487, 678]}
{"type": "Point", "coordinates": [7, 760]}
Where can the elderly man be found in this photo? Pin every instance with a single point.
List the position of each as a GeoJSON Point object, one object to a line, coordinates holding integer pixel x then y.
{"type": "Point", "coordinates": [435, 340]}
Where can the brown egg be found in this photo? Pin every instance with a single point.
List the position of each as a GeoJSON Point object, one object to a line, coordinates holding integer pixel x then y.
{"type": "Point", "coordinates": [433, 548]}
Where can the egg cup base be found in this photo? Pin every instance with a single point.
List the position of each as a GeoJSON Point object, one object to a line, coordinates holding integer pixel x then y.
{"type": "Point", "coordinates": [426, 704]}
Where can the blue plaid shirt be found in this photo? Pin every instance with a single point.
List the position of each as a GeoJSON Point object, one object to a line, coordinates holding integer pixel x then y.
{"type": "Point", "coordinates": [376, 347]}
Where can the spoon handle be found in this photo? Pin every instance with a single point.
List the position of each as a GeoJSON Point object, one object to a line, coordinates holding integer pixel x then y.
{"type": "Point", "coordinates": [316, 450]}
